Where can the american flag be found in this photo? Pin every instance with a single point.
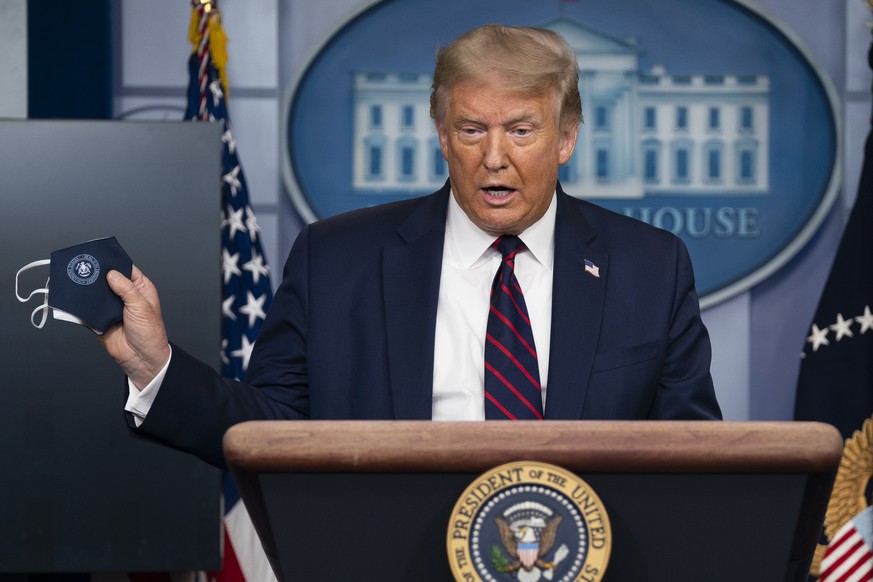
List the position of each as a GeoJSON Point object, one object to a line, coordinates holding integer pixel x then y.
{"type": "Point", "coordinates": [835, 384]}
{"type": "Point", "coordinates": [247, 292]}
{"type": "Point", "coordinates": [592, 268]}
{"type": "Point", "coordinates": [849, 557]}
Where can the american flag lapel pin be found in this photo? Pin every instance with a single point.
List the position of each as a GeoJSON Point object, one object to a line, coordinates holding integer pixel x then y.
{"type": "Point", "coordinates": [591, 268]}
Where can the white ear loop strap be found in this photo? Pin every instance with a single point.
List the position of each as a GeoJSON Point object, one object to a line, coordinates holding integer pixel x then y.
{"type": "Point", "coordinates": [43, 291]}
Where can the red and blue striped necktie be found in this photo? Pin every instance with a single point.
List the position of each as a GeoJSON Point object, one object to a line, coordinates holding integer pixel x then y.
{"type": "Point", "coordinates": [512, 378]}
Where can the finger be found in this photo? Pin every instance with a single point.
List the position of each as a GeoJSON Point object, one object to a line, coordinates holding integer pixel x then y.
{"type": "Point", "coordinates": [110, 338]}
{"type": "Point", "coordinates": [136, 275]}
{"type": "Point", "coordinates": [132, 290]}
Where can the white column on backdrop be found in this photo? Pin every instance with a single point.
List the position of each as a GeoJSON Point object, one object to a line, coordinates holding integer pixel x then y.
{"type": "Point", "coordinates": [13, 59]}
{"type": "Point", "coordinates": [728, 325]}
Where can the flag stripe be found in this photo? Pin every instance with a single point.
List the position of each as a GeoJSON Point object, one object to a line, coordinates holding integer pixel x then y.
{"type": "Point", "coordinates": [843, 556]}
{"type": "Point", "coordinates": [849, 556]}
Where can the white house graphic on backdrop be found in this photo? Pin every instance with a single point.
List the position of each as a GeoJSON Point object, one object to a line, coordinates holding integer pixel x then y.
{"type": "Point", "coordinates": [645, 133]}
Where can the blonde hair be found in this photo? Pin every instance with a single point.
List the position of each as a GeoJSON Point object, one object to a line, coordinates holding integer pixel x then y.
{"type": "Point", "coordinates": [534, 60]}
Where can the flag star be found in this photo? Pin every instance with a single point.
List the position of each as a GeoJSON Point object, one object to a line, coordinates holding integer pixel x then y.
{"type": "Point", "coordinates": [232, 178]}
{"type": "Point", "coordinates": [866, 320]}
{"type": "Point", "coordinates": [257, 267]}
{"type": "Point", "coordinates": [252, 224]}
{"type": "Point", "coordinates": [843, 327]}
{"type": "Point", "coordinates": [224, 359]}
{"type": "Point", "coordinates": [227, 138]}
{"type": "Point", "coordinates": [227, 308]}
{"type": "Point", "coordinates": [818, 338]}
{"type": "Point", "coordinates": [244, 352]}
{"type": "Point", "coordinates": [217, 93]}
{"type": "Point", "coordinates": [254, 308]}
{"type": "Point", "coordinates": [230, 265]}
{"type": "Point", "coordinates": [235, 221]}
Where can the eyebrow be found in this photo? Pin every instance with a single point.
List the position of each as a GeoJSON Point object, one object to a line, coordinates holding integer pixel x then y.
{"type": "Point", "coordinates": [526, 116]}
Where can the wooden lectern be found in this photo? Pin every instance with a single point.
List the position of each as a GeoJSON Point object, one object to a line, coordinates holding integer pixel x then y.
{"type": "Point", "coordinates": [687, 501]}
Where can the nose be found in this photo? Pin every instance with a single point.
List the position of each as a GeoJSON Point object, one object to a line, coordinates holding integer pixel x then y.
{"type": "Point", "coordinates": [495, 151]}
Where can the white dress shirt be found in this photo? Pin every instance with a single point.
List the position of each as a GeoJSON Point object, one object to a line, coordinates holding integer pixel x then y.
{"type": "Point", "coordinates": [469, 266]}
{"type": "Point", "coordinates": [139, 402]}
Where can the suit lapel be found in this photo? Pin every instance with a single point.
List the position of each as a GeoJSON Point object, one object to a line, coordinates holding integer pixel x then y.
{"type": "Point", "coordinates": [577, 309]}
{"type": "Point", "coordinates": [411, 280]}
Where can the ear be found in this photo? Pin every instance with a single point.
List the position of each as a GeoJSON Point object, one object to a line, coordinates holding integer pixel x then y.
{"type": "Point", "coordinates": [444, 140]}
{"type": "Point", "coordinates": [567, 142]}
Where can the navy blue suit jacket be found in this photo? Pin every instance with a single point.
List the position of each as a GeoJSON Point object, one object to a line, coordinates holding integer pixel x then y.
{"type": "Point", "coordinates": [350, 334]}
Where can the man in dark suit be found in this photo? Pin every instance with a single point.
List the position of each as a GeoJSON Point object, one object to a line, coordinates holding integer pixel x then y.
{"type": "Point", "coordinates": [383, 312]}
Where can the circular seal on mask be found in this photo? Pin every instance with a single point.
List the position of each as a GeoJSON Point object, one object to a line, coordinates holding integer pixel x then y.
{"type": "Point", "coordinates": [528, 522]}
{"type": "Point", "coordinates": [83, 269]}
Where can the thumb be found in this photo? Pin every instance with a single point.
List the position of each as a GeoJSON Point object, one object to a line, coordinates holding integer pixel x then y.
{"type": "Point", "coordinates": [122, 286]}
{"type": "Point", "coordinates": [139, 345]}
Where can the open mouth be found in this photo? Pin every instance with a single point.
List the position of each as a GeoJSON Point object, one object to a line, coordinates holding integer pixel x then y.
{"type": "Point", "coordinates": [499, 191]}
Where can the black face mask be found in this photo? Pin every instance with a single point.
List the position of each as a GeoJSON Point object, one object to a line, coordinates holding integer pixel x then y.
{"type": "Point", "coordinates": [76, 289]}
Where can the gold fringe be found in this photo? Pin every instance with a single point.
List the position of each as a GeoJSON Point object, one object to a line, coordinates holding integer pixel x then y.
{"type": "Point", "coordinates": [218, 47]}
{"type": "Point", "coordinates": [217, 42]}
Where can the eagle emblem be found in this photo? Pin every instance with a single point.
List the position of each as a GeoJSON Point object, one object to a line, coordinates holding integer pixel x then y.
{"type": "Point", "coordinates": [528, 537]}
{"type": "Point", "coordinates": [83, 269]}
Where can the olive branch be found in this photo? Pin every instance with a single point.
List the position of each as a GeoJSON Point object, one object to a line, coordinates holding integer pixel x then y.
{"type": "Point", "coordinates": [500, 561]}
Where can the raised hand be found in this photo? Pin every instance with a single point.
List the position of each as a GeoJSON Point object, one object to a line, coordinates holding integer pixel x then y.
{"type": "Point", "coordinates": [138, 344]}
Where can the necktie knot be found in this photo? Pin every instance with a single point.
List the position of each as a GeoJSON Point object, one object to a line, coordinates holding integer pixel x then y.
{"type": "Point", "coordinates": [509, 245]}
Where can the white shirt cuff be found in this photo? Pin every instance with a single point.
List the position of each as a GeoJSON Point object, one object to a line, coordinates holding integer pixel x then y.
{"type": "Point", "coordinates": [139, 402]}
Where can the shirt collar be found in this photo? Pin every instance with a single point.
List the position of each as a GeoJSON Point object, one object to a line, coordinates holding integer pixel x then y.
{"type": "Point", "coordinates": [466, 243]}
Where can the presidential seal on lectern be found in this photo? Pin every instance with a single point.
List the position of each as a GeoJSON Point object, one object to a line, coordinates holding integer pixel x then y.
{"type": "Point", "coordinates": [529, 521]}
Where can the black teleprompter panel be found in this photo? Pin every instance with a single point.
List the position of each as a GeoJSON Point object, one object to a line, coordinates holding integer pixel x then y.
{"type": "Point", "coordinates": [79, 493]}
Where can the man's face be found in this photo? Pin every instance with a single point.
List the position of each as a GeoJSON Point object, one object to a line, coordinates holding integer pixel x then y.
{"type": "Point", "coordinates": [503, 150]}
